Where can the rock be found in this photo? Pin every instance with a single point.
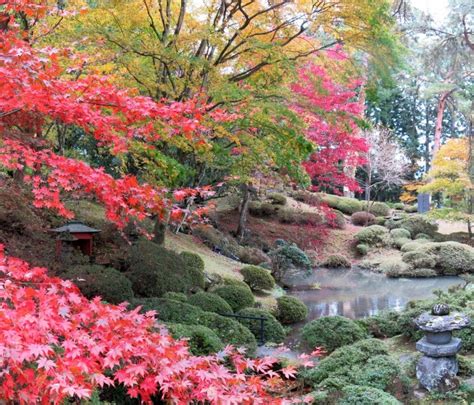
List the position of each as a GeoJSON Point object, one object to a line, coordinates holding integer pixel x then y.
{"type": "Point", "coordinates": [439, 350]}
{"type": "Point", "coordinates": [440, 309]}
{"type": "Point", "coordinates": [437, 374]}
{"type": "Point", "coordinates": [434, 323]}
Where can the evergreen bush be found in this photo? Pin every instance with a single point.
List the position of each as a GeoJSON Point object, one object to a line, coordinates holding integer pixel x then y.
{"type": "Point", "coordinates": [372, 235]}
{"type": "Point", "coordinates": [416, 224]}
{"type": "Point", "coordinates": [337, 261]}
{"type": "Point", "coordinates": [237, 297]}
{"type": "Point", "coordinates": [106, 282]}
{"type": "Point", "coordinates": [277, 198]}
{"type": "Point", "coordinates": [210, 302]}
{"type": "Point", "coordinates": [176, 296]}
{"type": "Point", "coordinates": [379, 209]}
{"type": "Point", "coordinates": [195, 270]}
{"type": "Point", "coordinates": [332, 332]}
{"type": "Point", "coordinates": [361, 395]}
{"type": "Point", "coordinates": [291, 310]}
{"type": "Point", "coordinates": [362, 249]}
{"type": "Point", "coordinates": [202, 341]}
{"type": "Point", "coordinates": [399, 233]}
{"type": "Point", "coordinates": [273, 330]}
{"type": "Point", "coordinates": [257, 278]}
{"type": "Point", "coordinates": [363, 218]}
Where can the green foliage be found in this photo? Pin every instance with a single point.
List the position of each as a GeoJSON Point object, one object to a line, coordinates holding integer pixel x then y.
{"type": "Point", "coordinates": [332, 332]}
{"type": "Point", "coordinates": [210, 302]}
{"type": "Point", "coordinates": [257, 278]}
{"type": "Point", "coordinates": [362, 249]}
{"type": "Point", "coordinates": [155, 270]}
{"type": "Point", "coordinates": [395, 268]}
{"type": "Point", "coordinates": [176, 296]}
{"type": "Point", "coordinates": [380, 221]}
{"type": "Point", "coordinates": [95, 280]}
{"type": "Point", "coordinates": [372, 235]}
{"type": "Point", "coordinates": [195, 266]}
{"type": "Point", "coordinates": [338, 365]}
{"type": "Point", "coordinates": [346, 205]}
{"type": "Point", "coordinates": [413, 245]}
{"type": "Point", "coordinates": [419, 259]}
{"type": "Point", "coordinates": [235, 282]}
{"type": "Point", "coordinates": [361, 395]}
{"type": "Point", "coordinates": [416, 224]}
{"type": "Point", "coordinates": [411, 209]}
{"type": "Point", "coordinates": [451, 257]}
{"type": "Point", "coordinates": [383, 325]}
{"type": "Point", "coordinates": [291, 310]}
{"type": "Point", "coordinates": [201, 340]}
{"type": "Point", "coordinates": [379, 209]}
{"type": "Point", "coordinates": [273, 330]}
{"type": "Point", "coordinates": [295, 216]}
{"type": "Point", "coordinates": [336, 261]}
{"type": "Point", "coordinates": [363, 218]}
{"type": "Point", "coordinates": [422, 236]}
{"type": "Point", "coordinates": [227, 329]}
{"type": "Point", "coordinates": [237, 297]}
{"type": "Point", "coordinates": [291, 255]}
{"type": "Point", "coordinates": [399, 206]}
{"type": "Point", "coordinates": [277, 198]}
{"type": "Point", "coordinates": [399, 233]}
{"type": "Point", "coordinates": [400, 242]}
{"type": "Point", "coordinates": [339, 222]}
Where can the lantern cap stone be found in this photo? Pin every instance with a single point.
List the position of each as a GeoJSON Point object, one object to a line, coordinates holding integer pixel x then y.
{"type": "Point", "coordinates": [442, 323]}
{"type": "Point", "coordinates": [75, 227]}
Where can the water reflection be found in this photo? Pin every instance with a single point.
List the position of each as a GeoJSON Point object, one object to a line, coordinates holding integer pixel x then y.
{"type": "Point", "coordinates": [357, 293]}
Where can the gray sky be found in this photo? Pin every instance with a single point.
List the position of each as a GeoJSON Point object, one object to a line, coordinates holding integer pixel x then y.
{"type": "Point", "coordinates": [437, 8]}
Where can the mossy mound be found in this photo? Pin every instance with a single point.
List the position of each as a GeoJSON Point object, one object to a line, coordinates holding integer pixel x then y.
{"type": "Point", "coordinates": [372, 235]}
{"type": "Point", "coordinates": [346, 205]}
{"type": "Point", "coordinates": [398, 233]}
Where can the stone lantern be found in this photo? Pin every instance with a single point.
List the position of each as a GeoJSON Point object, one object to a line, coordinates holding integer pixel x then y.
{"type": "Point", "coordinates": [437, 369]}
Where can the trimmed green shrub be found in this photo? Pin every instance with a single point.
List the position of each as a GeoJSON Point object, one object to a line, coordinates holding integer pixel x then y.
{"type": "Point", "coordinates": [277, 198]}
{"type": "Point", "coordinates": [339, 363]}
{"type": "Point", "coordinates": [379, 372]}
{"type": "Point", "coordinates": [307, 197]}
{"type": "Point", "coordinates": [332, 332]}
{"type": "Point", "coordinates": [419, 259]}
{"type": "Point", "coordinates": [451, 257]}
{"type": "Point", "coordinates": [337, 261]}
{"type": "Point", "coordinates": [413, 245]}
{"type": "Point", "coordinates": [361, 395]}
{"type": "Point", "coordinates": [201, 340]}
{"type": "Point", "coordinates": [362, 249]}
{"type": "Point", "coordinates": [195, 266]}
{"type": "Point", "coordinates": [294, 216]}
{"type": "Point", "coordinates": [422, 236]}
{"type": "Point", "coordinates": [273, 330]}
{"type": "Point", "coordinates": [410, 209]}
{"type": "Point", "coordinates": [397, 268]}
{"type": "Point", "coordinates": [210, 302]}
{"type": "Point", "coordinates": [106, 282]}
{"type": "Point", "coordinates": [176, 296]}
{"type": "Point", "coordinates": [372, 235]}
{"type": "Point", "coordinates": [346, 205]}
{"type": "Point", "coordinates": [291, 310]}
{"type": "Point", "coordinates": [251, 255]}
{"type": "Point", "coordinates": [229, 330]}
{"type": "Point", "coordinates": [268, 209]}
{"type": "Point", "coordinates": [399, 233]}
{"type": "Point", "coordinates": [379, 209]}
{"type": "Point", "coordinates": [363, 218]}
{"type": "Point", "coordinates": [257, 278]}
{"type": "Point", "coordinates": [255, 208]}
{"type": "Point", "coordinates": [155, 270]}
{"type": "Point", "coordinates": [380, 221]}
{"type": "Point", "coordinates": [287, 256]}
{"type": "Point", "coordinates": [399, 206]}
{"type": "Point", "coordinates": [416, 224]}
{"type": "Point", "coordinates": [392, 223]}
{"type": "Point", "coordinates": [235, 282]}
{"type": "Point", "coordinates": [383, 325]}
{"type": "Point", "coordinates": [400, 242]}
{"type": "Point", "coordinates": [237, 297]}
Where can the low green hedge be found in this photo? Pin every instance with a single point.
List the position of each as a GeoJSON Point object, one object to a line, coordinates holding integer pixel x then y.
{"type": "Point", "coordinates": [291, 310]}
{"type": "Point", "coordinates": [237, 297]}
{"type": "Point", "coordinates": [273, 330]}
{"type": "Point", "coordinates": [210, 302]}
{"type": "Point", "coordinates": [257, 278]}
{"type": "Point", "coordinates": [332, 332]}
{"type": "Point", "coordinates": [201, 340]}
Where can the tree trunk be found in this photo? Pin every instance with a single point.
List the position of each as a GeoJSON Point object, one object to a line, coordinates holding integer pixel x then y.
{"type": "Point", "coordinates": [443, 98]}
{"type": "Point", "coordinates": [427, 138]}
{"type": "Point", "coordinates": [470, 196]}
{"type": "Point", "coordinates": [159, 231]}
{"type": "Point", "coordinates": [244, 207]}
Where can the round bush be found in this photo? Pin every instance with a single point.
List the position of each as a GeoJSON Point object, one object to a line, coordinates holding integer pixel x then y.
{"type": "Point", "coordinates": [210, 302]}
{"type": "Point", "coordinates": [229, 330]}
{"type": "Point", "coordinates": [346, 205]}
{"type": "Point", "coordinates": [169, 310]}
{"type": "Point", "coordinates": [268, 209]}
{"type": "Point", "coordinates": [419, 259]}
{"type": "Point", "coordinates": [176, 296]}
{"type": "Point", "coordinates": [332, 332]}
{"type": "Point", "coordinates": [416, 224]}
{"type": "Point", "coordinates": [106, 282]}
{"type": "Point", "coordinates": [273, 330]}
{"type": "Point", "coordinates": [363, 218]}
{"type": "Point", "coordinates": [380, 221]}
{"type": "Point", "coordinates": [201, 340]}
{"type": "Point", "coordinates": [362, 249]}
{"type": "Point", "coordinates": [277, 198]}
{"type": "Point", "coordinates": [452, 258]}
{"type": "Point", "coordinates": [422, 236]}
{"type": "Point", "coordinates": [155, 270]}
{"type": "Point", "coordinates": [379, 209]}
{"type": "Point", "coordinates": [399, 233]}
{"type": "Point", "coordinates": [235, 282]}
{"type": "Point", "coordinates": [195, 269]}
{"type": "Point", "coordinates": [372, 235]}
{"type": "Point", "coordinates": [413, 245]}
{"type": "Point", "coordinates": [257, 278]}
{"type": "Point", "coordinates": [399, 206]}
{"type": "Point", "coordinates": [400, 242]}
{"type": "Point", "coordinates": [380, 372]}
{"type": "Point", "coordinates": [237, 297]}
{"type": "Point", "coordinates": [337, 261]}
{"type": "Point", "coordinates": [291, 310]}
{"type": "Point", "coordinates": [410, 208]}
{"type": "Point", "coordinates": [383, 325]}
{"type": "Point", "coordinates": [361, 395]}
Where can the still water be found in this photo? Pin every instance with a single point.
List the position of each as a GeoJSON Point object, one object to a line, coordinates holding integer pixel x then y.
{"type": "Point", "coordinates": [357, 293]}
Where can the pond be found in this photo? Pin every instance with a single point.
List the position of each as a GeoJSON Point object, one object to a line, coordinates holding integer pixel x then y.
{"type": "Point", "coordinates": [357, 293]}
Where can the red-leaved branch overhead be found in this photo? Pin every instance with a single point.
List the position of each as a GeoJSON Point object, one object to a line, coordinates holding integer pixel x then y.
{"type": "Point", "coordinates": [35, 91]}
{"type": "Point", "coordinates": [331, 111]}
